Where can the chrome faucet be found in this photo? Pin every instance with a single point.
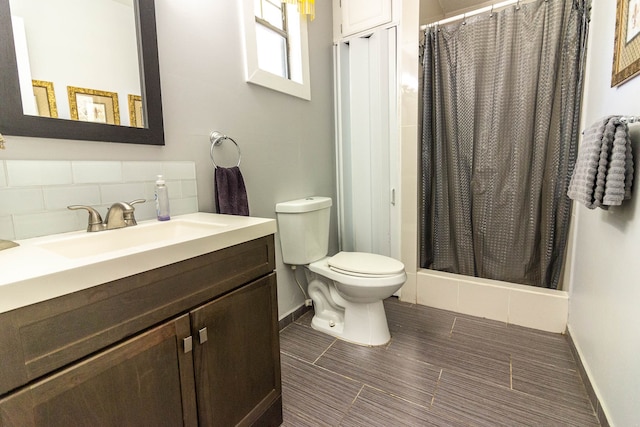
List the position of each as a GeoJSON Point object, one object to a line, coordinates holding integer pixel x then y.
{"type": "Point", "coordinates": [119, 215]}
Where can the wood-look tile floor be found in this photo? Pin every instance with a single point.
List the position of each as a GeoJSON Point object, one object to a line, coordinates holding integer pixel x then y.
{"type": "Point", "coordinates": [439, 369]}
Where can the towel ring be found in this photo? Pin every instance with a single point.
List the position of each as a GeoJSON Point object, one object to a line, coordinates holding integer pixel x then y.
{"type": "Point", "coordinates": [216, 139]}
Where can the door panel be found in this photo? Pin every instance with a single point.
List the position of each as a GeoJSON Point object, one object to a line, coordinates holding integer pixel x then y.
{"type": "Point", "coordinates": [138, 382]}
{"type": "Point", "coordinates": [237, 355]}
{"type": "Point", "coordinates": [367, 144]}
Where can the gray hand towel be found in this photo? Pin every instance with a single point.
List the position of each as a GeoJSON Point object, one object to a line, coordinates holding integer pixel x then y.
{"type": "Point", "coordinates": [603, 172]}
{"type": "Point", "coordinates": [231, 194]}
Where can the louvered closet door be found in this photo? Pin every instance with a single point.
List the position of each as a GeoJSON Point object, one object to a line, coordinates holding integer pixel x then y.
{"type": "Point", "coordinates": [368, 171]}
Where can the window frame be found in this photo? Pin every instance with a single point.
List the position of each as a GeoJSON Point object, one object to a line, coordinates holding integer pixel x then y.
{"type": "Point", "coordinates": [255, 75]}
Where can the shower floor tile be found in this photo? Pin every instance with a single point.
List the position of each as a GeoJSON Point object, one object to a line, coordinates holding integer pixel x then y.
{"type": "Point", "coordinates": [440, 369]}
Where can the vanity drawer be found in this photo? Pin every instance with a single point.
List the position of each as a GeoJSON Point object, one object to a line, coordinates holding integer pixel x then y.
{"type": "Point", "coordinates": [43, 337]}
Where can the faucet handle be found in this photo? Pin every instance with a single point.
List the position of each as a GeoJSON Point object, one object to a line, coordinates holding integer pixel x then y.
{"type": "Point", "coordinates": [95, 220]}
{"type": "Point", "coordinates": [128, 217]}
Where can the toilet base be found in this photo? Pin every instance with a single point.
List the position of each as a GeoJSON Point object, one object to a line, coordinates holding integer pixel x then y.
{"type": "Point", "coordinates": [363, 324]}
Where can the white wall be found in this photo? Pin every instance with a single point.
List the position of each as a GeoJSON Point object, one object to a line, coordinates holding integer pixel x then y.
{"type": "Point", "coordinates": [287, 143]}
{"type": "Point", "coordinates": [604, 311]}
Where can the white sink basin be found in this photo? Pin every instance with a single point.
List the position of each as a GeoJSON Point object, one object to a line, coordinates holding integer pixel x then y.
{"type": "Point", "coordinates": [46, 267]}
{"type": "Point", "coordinates": [103, 242]}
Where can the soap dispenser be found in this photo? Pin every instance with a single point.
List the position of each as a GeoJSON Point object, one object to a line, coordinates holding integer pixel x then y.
{"type": "Point", "coordinates": [162, 199]}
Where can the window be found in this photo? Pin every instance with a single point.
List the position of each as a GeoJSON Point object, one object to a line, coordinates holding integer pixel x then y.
{"type": "Point", "coordinates": [272, 37]}
{"type": "Point", "coordinates": [276, 49]}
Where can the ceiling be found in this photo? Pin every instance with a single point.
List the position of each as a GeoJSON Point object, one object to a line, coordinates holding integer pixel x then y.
{"type": "Point", "coordinates": [434, 10]}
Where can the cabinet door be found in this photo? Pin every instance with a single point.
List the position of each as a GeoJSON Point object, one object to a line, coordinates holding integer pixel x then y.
{"type": "Point", "coordinates": [237, 357]}
{"type": "Point", "coordinates": [146, 380]}
{"type": "Point", "coordinates": [361, 15]}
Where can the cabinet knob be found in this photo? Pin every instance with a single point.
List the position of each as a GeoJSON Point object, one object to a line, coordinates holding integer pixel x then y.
{"type": "Point", "coordinates": [187, 344]}
{"type": "Point", "coordinates": [202, 334]}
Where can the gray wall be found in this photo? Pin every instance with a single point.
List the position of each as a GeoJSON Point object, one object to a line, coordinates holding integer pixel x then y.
{"type": "Point", "coordinates": [605, 273]}
{"type": "Point", "coordinates": [287, 143]}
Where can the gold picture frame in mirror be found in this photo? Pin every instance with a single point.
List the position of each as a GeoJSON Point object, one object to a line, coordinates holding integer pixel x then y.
{"type": "Point", "coordinates": [136, 117]}
{"type": "Point", "coordinates": [45, 98]}
{"type": "Point", "coordinates": [92, 105]}
{"type": "Point", "coordinates": [626, 51]}
{"type": "Point", "coordinates": [15, 122]}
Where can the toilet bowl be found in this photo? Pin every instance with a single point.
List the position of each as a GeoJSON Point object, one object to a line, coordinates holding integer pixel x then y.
{"type": "Point", "coordinates": [347, 289]}
{"type": "Point", "coordinates": [348, 304]}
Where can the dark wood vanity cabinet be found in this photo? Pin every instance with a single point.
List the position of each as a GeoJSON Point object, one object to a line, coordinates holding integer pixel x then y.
{"type": "Point", "coordinates": [240, 320]}
{"type": "Point", "coordinates": [193, 343]}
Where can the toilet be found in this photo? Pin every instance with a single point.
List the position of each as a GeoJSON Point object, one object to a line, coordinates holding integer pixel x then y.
{"type": "Point", "coordinates": [348, 288]}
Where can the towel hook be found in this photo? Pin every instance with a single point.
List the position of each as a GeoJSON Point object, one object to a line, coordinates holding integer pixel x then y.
{"type": "Point", "coordinates": [216, 139]}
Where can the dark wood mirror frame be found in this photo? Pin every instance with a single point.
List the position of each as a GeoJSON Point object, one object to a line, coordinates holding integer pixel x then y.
{"type": "Point", "coordinates": [14, 122]}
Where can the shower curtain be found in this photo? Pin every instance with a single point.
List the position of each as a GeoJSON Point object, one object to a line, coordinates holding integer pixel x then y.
{"type": "Point", "coordinates": [501, 97]}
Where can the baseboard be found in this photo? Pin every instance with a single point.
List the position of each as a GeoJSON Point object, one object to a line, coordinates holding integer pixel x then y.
{"type": "Point", "coordinates": [593, 396]}
{"type": "Point", "coordinates": [294, 314]}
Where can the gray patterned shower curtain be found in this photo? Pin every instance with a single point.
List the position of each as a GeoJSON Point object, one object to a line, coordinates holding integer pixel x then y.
{"type": "Point", "coordinates": [501, 99]}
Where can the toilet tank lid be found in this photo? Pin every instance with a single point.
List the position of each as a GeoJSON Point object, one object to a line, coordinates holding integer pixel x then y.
{"type": "Point", "coordinates": [307, 204]}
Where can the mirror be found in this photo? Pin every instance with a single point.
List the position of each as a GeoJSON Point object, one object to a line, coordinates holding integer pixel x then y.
{"type": "Point", "coordinates": [103, 103]}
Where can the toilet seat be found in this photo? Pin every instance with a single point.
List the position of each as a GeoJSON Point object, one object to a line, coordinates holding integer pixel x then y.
{"type": "Point", "coordinates": [356, 279]}
{"type": "Point", "coordinates": [361, 264]}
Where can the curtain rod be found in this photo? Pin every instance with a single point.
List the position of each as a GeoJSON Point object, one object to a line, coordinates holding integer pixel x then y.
{"type": "Point", "coordinates": [471, 13]}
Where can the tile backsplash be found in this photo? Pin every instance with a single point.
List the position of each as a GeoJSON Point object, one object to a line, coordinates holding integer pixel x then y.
{"type": "Point", "coordinates": [34, 194]}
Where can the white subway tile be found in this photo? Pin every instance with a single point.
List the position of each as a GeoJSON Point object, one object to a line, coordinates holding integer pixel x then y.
{"type": "Point", "coordinates": [41, 210]}
{"type": "Point", "coordinates": [6, 228]}
{"type": "Point", "coordinates": [477, 299]}
{"type": "Point", "coordinates": [179, 170]}
{"type": "Point", "coordinates": [43, 224]}
{"type": "Point", "coordinates": [141, 171]}
{"type": "Point", "coordinates": [111, 193]}
{"type": "Point", "coordinates": [184, 206]}
{"type": "Point", "coordinates": [149, 191]}
{"type": "Point", "coordinates": [436, 291]}
{"type": "Point", "coordinates": [60, 197]}
{"type": "Point", "coordinates": [21, 200]}
{"type": "Point", "coordinates": [23, 173]}
{"type": "Point", "coordinates": [539, 310]}
{"type": "Point", "coordinates": [85, 172]}
{"type": "Point", "coordinates": [145, 211]}
{"type": "Point", "coordinates": [3, 178]}
{"type": "Point", "coordinates": [189, 188]}
{"type": "Point", "coordinates": [175, 189]}
{"type": "Point", "coordinates": [408, 292]}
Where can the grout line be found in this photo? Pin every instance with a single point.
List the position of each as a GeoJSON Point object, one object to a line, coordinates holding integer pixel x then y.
{"type": "Point", "coordinates": [325, 350]}
{"type": "Point", "coordinates": [510, 371]}
{"type": "Point", "coordinates": [306, 362]}
{"type": "Point", "coordinates": [389, 393]}
{"type": "Point", "coordinates": [387, 345]}
{"type": "Point", "coordinates": [435, 390]}
{"type": "Point", "coordinates": [351, 404]}
{"type": "Point", "coordinates": [357, 395]}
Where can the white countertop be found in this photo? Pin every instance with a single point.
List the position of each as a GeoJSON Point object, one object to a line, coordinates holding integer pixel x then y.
{"type": "Point", "coordinates": [47, 267]}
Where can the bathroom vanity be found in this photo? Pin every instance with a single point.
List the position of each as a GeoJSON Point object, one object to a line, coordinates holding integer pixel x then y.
{"type": "Point", "coordinates": [178, 331]}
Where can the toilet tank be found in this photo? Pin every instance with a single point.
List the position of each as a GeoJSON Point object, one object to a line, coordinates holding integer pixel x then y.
{"type": "Point", "coordinates": [303, 226]}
